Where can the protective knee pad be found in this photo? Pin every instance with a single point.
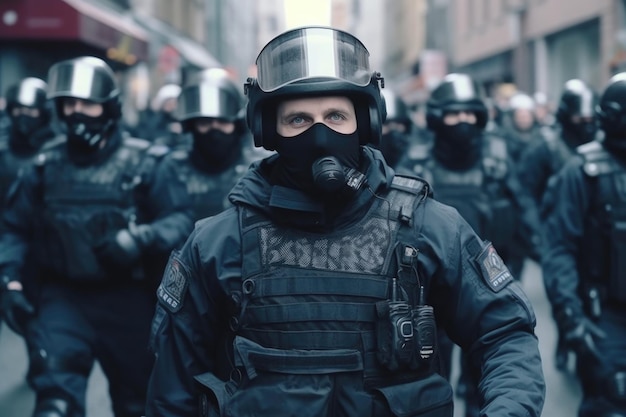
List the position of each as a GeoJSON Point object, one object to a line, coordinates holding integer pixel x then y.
{"type": "Point", "coordinates": [52, 407]}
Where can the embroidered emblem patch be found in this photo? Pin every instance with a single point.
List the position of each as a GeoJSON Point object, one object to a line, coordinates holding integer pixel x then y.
{"type": "Point", "coordinates": [174, 285]}
{"type": "Point", "coordinates": [494, 270]}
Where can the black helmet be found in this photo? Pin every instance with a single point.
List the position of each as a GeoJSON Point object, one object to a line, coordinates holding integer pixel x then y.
{"type": "Point", "coordinates": [456, 92]}
{"type": "Point", "coordinates": [29, 92]}
{"type": "Point", "coordinates": [577, 99]}
{"type": "Point", "coordinates": [397, 110]}
{"type": "Point", "coordinates": [87, 78]}
{"type": "Point", "coordinates": [611, 111]}
{"type": "Point", "coordinates": [211, 93]}
{"type": "Point", "coordinates": [313, 61]}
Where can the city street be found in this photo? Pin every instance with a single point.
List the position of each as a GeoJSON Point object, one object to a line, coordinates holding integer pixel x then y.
{"type": "Point", "coordinates": [16, 398]}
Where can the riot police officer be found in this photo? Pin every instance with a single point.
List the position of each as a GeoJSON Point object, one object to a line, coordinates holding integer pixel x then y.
{"type": "Point", "coordinates": [161, 125]}
{"type": "Point", "coordinates": [103, 203]}
{"type": "Point", "coordinates": [576, 126]}
{"type": "Point", "coordinates": [472, 171]}
{"type": "Point", "coordinates": [321, 286]}
{"type": "Point", "coordinates": [30, 128]}
{"type": "Point", "coordinates": [522, 129]}
{"type": "Point", "coordinates": [582, 268]}
{"type": "Point", "coordinates": [210, 110]}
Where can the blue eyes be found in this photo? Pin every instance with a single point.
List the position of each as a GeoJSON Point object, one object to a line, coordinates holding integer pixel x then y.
{"type": "Point", "coordinates": [333, 117]}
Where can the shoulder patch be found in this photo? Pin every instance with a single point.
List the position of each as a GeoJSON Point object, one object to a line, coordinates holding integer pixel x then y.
{"type": "Point", "coordinates": [493, 269]}
{"type": "Point", "coordinates": [174, 285]}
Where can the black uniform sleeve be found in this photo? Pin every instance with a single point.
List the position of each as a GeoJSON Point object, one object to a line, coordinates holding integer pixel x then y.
{"type": "Point", "coordinates": [169, 207]}
{"type": "Point", "coordinates": [528, 233]}
{"type": "Point", "coordinates": [21, 210]}
{"type": "Point", "coordinates": [485, 312]}
{"type": "Point", "coordinates": [564, 227]}
{"type": "Point", "coordinates": [535, 169]}
{"type": "Point", "coordinates": [188, 328]}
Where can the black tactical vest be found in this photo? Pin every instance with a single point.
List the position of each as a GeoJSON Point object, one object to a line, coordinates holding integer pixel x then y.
{"type": "Point", "coordinates": [603, 255]}
{"type": "Point", "coordinates": [82, 205]}
{"type": "Point", "coordinates": [208, 191]}
{"type": "Point", "coordinates": [306, 325]}
{"type": "Point", "coordinates": [479, 193]}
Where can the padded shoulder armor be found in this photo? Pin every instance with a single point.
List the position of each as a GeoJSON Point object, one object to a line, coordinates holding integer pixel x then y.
{"type": "Point", "coordinates": [411, 184]}
{"type": "Point", "coordinates": [596, 160]}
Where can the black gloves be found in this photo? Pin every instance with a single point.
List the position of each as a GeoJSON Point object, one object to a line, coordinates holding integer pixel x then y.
{"type": "Point", "coordinates": [122, 249]}
{"type": "Point", "coordinates": [578, 334]}
{"type": "Point", "coordinates": [16, 309]}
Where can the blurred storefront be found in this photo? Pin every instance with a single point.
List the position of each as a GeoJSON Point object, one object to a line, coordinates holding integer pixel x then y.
{"type": "Point", "coordinates": [37, 33]}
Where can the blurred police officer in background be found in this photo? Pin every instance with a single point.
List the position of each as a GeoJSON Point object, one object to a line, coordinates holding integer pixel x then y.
{"type": "Point", "coordinates": [544, 113]}
{"type": "Point", "coordinates": [397, 129]}
{"type": "Point", "coordinates": [30, 127]}
{"type": "Point", "coordinates": [522, 128]}
{"type": "Point", "coordinates": [210, 109]}
{"type": "Point", "coordinates": [472, 172]}
{"type": "Point", "coordinates": [582, 267]}
{"type": "Point", "coordinates": [104, 202]}
{"type": "Point", "coordinates": [576, 126]}
{"type": "Point", "coordinates": [161, 125]}
{"type": "Point", "coordinates": [321, 287]}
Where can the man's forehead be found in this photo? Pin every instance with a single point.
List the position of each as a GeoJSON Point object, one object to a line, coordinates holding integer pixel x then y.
{"type": "Point", "coordinates": [308, 104]}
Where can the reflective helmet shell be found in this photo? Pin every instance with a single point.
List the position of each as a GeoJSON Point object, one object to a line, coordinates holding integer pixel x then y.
{"type": "Point", "coordinates": [456, 92]}
{"type": "Point", "coordinates": [86, 78]}
{"type": "Point", "coordinates": [577, 99]}
{"type": "Point", "coordinates": [212, 94]}
{"type": "Point", "coordinates": [611, 111]}
{"type": "Point", "coordinates": [311, 62]}
{"type": "Point", "coordinates": [29, 92]}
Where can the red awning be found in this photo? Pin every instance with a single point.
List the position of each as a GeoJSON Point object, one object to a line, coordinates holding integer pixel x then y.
{"type": "Point", "coordinates": [74, 20]}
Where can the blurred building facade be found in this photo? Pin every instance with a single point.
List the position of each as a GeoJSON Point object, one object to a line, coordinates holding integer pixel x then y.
{"type": "Point", "coordinates": [535, 44]}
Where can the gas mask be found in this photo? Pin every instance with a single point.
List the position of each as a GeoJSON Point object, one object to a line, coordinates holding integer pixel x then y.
{"type": "Point", "coordinates": [84, 133]}
{"type": "Point", "coordinates": [318, 159]}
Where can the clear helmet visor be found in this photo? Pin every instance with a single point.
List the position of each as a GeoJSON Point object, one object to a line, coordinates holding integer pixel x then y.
{"type": "Point", "coordinates": [314, 52]}
{"type": "Point", "coordinates": [206, 100]}
{"type": "Point", "coordinates": [85, 79]}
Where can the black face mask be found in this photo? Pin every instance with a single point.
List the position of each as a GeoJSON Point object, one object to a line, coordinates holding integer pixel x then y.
{"type": "Point", "coordinates": [84, 133]}
{"type": "Point", "coordinates": [578, 134]}
{"type": "Point", "coordinates": [216, 148]}
{"type": "Point", "coordinates": [458, 146]}
{"type": "Point", "coordinates": [315, 160]}
{"type": "Point", "coordinates": [25, 125]}
{"type": "Point", "coordinates": [24, 131]}
{"type": "Point", "coordinates": [393, 145]}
